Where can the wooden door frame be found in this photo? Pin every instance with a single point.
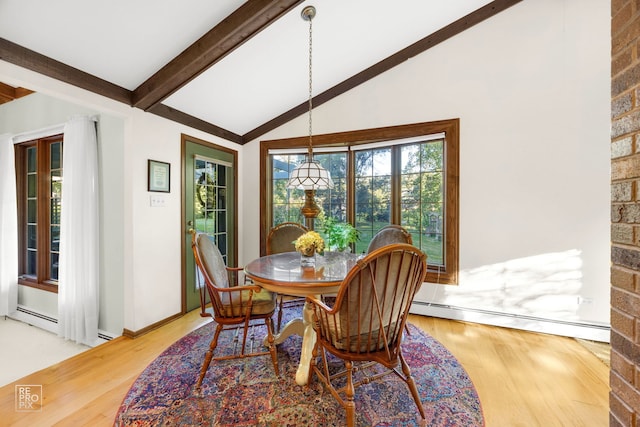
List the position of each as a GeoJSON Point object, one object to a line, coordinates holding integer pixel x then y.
{"type": "Point", "coordinates": [184, 138]}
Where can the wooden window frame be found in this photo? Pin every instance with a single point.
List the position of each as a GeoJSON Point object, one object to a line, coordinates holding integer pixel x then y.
{"type": "Point", "coordinates": [43, 237]}
{"type": "Point", "coordinates": [451, 129]}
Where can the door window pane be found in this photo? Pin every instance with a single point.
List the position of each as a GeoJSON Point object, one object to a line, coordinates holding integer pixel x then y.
{"type": "Point", "coordinates": [210, 201]}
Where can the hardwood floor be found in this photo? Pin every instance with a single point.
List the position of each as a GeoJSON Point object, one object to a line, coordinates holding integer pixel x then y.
{"type": "Point", "coordinates": [527, 379]}
{"type": "Point", "coordinates": [523, 378]}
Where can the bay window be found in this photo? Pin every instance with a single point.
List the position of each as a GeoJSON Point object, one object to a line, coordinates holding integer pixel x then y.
{"type": "Point", "coordinates": [406, 175]}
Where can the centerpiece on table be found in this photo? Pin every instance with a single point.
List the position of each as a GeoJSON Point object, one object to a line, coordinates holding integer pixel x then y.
{"type": "Point", "coordinates": [308, 244]}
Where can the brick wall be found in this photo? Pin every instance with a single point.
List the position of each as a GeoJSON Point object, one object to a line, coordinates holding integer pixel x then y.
{"type": "Point", "coordinates": [625, 213]}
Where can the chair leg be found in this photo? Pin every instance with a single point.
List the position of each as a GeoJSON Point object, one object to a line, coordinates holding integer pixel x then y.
{"type": "Point", "coordinates": [280, 303]}
{"type": "Point", "coordinates": [272, 347]}
{"type": "Point", "coordinates": [244, 335]}
{"type": "Point", "coordinates": [412, 386]}
{"type": "Point", "coordinates": [350, 404]}
{"type": "Point", "coordinates": [209, 355]}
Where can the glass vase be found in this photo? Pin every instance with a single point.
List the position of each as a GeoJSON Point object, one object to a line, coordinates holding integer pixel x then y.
{"type": "Point", "coordinates": [308, 259]}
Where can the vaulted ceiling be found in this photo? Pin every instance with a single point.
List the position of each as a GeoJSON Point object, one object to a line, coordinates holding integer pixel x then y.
{"type": "Point", "coordinates": [230, 68]}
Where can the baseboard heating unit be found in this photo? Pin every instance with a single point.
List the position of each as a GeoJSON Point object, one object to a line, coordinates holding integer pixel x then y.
{"type": "Point", "coordinates": [588, 331]}
{"type": "Point", "coordinates": [48, 323]}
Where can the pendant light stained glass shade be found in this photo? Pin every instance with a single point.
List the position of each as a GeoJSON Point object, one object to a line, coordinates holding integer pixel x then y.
{"type": "Point", "coordinates": [310, 176]}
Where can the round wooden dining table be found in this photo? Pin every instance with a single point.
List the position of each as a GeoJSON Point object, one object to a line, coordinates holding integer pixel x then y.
{"type": "Point", "coordinates": [282, 273]}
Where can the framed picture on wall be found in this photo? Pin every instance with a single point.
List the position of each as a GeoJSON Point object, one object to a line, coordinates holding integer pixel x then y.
{"type": "Point", "coordinates": [159, 176]}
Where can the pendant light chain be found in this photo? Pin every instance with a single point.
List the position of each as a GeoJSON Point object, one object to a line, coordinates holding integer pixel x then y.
{"type": "Point", "coordinates": [310, 175]}
{"type": "Point", "coordinates": [310, 86]}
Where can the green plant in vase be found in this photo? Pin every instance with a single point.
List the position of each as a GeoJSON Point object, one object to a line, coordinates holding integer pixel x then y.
{"type": "Point", "coordinates": [340, 235]}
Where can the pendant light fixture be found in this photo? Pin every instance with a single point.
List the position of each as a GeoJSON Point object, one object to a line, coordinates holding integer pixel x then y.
{"type": "Point", "coordinates": [310, 175]}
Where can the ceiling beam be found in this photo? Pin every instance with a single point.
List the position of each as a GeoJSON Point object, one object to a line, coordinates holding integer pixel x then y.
{"type": "Point", "coordinates": [386, 64]}
{"type": "Point", "coordinates": [31, 60]}
{"type": "Point", "coordinates": [247, 21]}
{"type": "Point", "coordinates": [9, 93]}
{"type": "Point", "coordinates": [178, 116]}
{"type": "Point", "coordinates": [20, 92]}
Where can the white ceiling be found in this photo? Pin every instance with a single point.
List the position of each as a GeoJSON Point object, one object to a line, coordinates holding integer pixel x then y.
{"type": "Point", "coordinates": [126, 41]}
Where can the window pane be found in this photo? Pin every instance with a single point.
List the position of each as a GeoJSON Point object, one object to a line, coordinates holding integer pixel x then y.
{"type": "Point", "coordinates": [32, 183]}
{"type": "Point", "coordinates": [410, 159]}
{"type": "Point", "coordinates": [32, 159]}
{"type": "Point", "coordinates": [199, 166]}
{"type": "Point", "coordinates": [31, 263]}
{"type": "Point", "coordinates": [286, 202]}
{"type": "Point", "coordinates": [373, 192]}
{"type": "Point", "coordinates": [422, 197]}
{"type": "Point", "coordinates": [382, 162]}
{"type": "Point", "coordinates": [56, 155]}
{"type": "Point", "coordinates": [55, 238]}
{"type": "Point", "coordinates": [32, 242]}
{"type": "Point", "coordinates": [222, 223]}
{"type": "Point", "coordinates": [221, 198]}
{"type": "Point", "coordinates": [209, 201]}
{"type": "Point", "coordinates": [54, 266]}
{"type": "Point", "coordinates": [221, 176]}
{"type": "Point", "coordinates": [55, 211]}
{"type": "Point", "coordinates": [381, 198]}
{"type": "Point", "coordinates": [432, 157]}
{"type": "Point", "coordinates": [56, 183]}
{"type": "Point", "coordinates": [333, 202]}
{"type": "Point", "coordinates": [32, 212]}
{"type": "Point", "coordinates": [221, 243]}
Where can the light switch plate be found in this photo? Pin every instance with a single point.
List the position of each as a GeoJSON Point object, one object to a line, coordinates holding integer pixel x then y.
{"type": "Point", "coordinates": [157, 200]}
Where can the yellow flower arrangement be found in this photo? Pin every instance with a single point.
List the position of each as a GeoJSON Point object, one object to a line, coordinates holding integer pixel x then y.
{"type": "Point", "coordinates": [309, 243]}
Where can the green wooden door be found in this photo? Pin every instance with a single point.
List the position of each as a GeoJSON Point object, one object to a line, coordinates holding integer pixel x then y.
{"type": "Point", "coordinates": [209, 206]}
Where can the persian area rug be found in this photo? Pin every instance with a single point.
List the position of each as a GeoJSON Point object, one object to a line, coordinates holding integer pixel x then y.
{"type": "Point", "coordinates": [246, 392]}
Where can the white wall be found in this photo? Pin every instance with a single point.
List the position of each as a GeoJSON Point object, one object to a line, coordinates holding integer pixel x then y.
{"type": "Point", "coordinates": [531, 89]}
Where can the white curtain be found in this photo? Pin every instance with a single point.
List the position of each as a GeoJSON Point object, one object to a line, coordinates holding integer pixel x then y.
{"type": "Point", "coordinates": [8, 228]}
{"type": "Point", "coordinates": [79, 261]}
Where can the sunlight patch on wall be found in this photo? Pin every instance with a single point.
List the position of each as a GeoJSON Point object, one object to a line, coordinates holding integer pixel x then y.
{"type": "Point", "coordinates": [546, 285]}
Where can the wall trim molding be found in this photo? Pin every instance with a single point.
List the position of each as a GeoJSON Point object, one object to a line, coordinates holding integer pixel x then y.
{"type": "Point", "coordinates": [135, 334]}
{"type": "Point", "coordinates": [573, 329]}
